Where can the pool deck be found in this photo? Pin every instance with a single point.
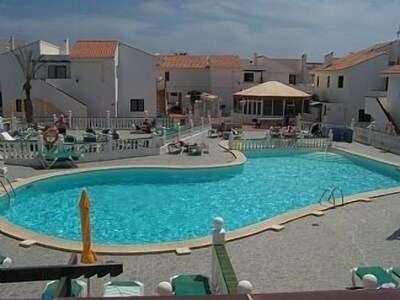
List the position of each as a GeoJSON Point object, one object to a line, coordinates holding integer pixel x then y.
{"type": "Point", "coordinates": [312, 253]}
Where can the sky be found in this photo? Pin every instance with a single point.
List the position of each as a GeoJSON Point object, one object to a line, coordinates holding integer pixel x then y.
{"type": "Point", "coordinates": [275, 28]}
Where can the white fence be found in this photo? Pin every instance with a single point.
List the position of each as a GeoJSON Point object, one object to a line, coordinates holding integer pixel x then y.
{"type": "Point", "coordinates": [271, 143]}
{"type": "Point", "coordinates": [83, 123]}
{"type": "Point", "coordinates": [380, 140]}
{"type": "Point", "coordinates": [28, 153]}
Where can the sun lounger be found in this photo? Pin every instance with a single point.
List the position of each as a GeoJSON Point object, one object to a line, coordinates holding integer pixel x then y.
{"type": "Point", "coordinates": [382, 276]}
{"type": "Point", "coordinates": [176, 148]}
{"type": "Point", "coordinates": [78, 288]}
{"type": "Point", "coordinates": [190, 285]}
{"type": "Point", "coordinates": [49, 159]}
{"type": "Point", "coordinates": [123, 289]}
{"type": "Point", "coordinates": [5, 261]}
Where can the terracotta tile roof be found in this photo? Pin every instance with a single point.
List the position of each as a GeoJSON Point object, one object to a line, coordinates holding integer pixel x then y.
{"type": "Point", "coordinates": [200, 61]}
{"type": "Point", "coordinates": [94, 49]}
{"type": "Point", "coordinates": [354, 59]}
{"type": "Point", "coordinates": [392, 70]}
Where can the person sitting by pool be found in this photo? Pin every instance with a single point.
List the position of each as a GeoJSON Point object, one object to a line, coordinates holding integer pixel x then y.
{"type": "Point", "coordinates": [289, 131]}
{"type": "Point", "coordinates": [221, 128]}
{"type": "Point", "coordinates": [146, 126]}
{"type": "Point", "coordinates": [275, 131]}
{"type": "Point", "coordinates": [115, 134]}
{"type": "Point", "coordinates": [315, 129]}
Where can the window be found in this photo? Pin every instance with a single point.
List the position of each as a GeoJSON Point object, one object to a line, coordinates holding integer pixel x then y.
{"type": "Point", "coordinates": [328, 82]}
{"type": "Point", "coordinates": [317, 81]}
{"type": "Point", "coordinates": [174, 94]}
{"type": "Point", "coordinates": [248, 77]}
{"type": "Point", "coordinates": [340, 82]}
{"type": "Point", "coordinates": [267, 107]}
{"type": "Point", "coordinates": [292, 79]}
{"type": "Point", "coordinates": [166, 76]}
{"type": "Point", "coordinates": [57, 71]}
{"type": "Point", "coordinates": [363, 117]}
{"type": "Point", "coordinates": [18, 105]}
{"type": "Point", "coordinates": [137, 105]}
{"type": "Point", "coordinates": [306, 106]}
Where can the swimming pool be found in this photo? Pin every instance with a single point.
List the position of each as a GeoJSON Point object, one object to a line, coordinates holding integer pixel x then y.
{"type": "Point", "coordinates": [147, 206]}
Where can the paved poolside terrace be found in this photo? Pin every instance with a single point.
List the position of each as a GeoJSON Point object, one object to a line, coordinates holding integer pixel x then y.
{"type": "Point", "coordinates": [312, 253]}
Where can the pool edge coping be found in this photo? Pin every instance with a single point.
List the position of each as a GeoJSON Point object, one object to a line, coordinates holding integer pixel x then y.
{"type": "Point", "coordinates": [9, 229]}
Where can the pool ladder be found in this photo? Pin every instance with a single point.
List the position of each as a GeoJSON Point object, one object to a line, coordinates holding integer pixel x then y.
{"type": "Point", "coordinates": [4, 186]}
{"type": "Point", "coordinates": [331, 197]}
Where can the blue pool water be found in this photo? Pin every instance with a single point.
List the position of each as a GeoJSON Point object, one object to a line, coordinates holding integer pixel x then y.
{"type": "Point", "coordinates": [141, 206]}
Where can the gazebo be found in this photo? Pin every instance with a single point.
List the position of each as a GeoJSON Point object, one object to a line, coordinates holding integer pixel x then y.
{"type": "Point", "coordinates": [270, 101]}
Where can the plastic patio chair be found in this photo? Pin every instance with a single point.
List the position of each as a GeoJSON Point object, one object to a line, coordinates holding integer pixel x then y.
{"type": "Point", "coordinates": [190, 285]}
{"type": "Point", "coordinates": [5, 261]}
{"type": "Point", "coordinates": [49, 159]}
{"type": "Point", "coordinates": [382, 276]}
{"type": "Point", "coordinates": [78, 288]}
{"type": "Point", "coordinates": [123, 289]}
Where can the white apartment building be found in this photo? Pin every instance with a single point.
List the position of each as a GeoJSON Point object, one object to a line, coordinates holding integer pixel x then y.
{"type": "Point", "coordinates": [96, 76]}
{"type": "Point", "coordinates": [341, 85]}
{"type": "Point", "coordinates": [218, 75]}
{"type": "Point", "coordinates": [262, 69]}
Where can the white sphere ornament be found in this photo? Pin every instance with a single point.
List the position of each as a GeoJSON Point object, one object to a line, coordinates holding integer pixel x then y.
{"type": "Point", "coordinates": [245, 287]}
{"type": "Point", "coordinates": [164, 289]}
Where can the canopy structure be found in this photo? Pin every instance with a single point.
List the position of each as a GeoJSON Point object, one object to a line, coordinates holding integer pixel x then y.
{"type": "Point", "coordinates": [273, 89]}
{"type": "Point", "coordinates": [271, 101]}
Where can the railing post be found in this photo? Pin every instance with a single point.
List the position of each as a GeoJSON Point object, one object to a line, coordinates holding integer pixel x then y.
{"type": "Point", "coordinates": [164, 133]}
{"type": "Point", "coordinates": [231, 139]}
{"type": "Point", "coordinates": [370, 127]}
{"type": "Point", "coordinates": [70, 119]}
{"type": "Point", "coordinates": [55, 118]}
{"type": "Point", "coordinates": [179, 131]}
{"type": "Point", "coordinates": [191, 129]}
{"type": "Point", "coordinates": [298, 122]}
{"type": "Point", "coordinates": [1, 124]}
{"type": "Point", "coordinates": [40, 143]}
{"type": "Point", "coordinates": [108, 119]}
{"type": "Point", "coordinates": [330, 135]}
{"type": "Point", "coordinates": [209, 122]}
{"type": "Point", "coordinates": [110, 142]}
{"type": "Point", "coordinates": [218, 233]}
{"type": "Point", "coordinates": [202, 124]}
{"type": "Point", "coordinates": [13, 124]}
{"type": "Point", "coordinates": [60, 143]}
{"type": "Point", "coordinates": [352, 123]}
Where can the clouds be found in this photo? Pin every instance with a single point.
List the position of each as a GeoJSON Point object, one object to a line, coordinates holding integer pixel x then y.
{"type": "Point", "coordinates": [284, 28]}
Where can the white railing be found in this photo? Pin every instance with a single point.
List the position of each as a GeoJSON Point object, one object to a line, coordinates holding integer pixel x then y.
{"type": "Point", "coordinates": [121, 123]}
{"type": "Point", "coordinates": [29, 152]}
{"type": "Point", "coordinates": [271, 143]}
{"type": "Point", "coordinates": [377, 139]}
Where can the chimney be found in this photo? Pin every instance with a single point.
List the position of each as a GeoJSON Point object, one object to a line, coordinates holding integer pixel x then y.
{"type": "Point", "coordinates": [328, 59]}
{"type": "Point", "coordinates": [303, 67]}
{"type": "Point", "coordinates": [65, 48]}
{"type": "Point", "coordinates": [255, 58]}
{"type": "Point", "coordinates": [12, 44]}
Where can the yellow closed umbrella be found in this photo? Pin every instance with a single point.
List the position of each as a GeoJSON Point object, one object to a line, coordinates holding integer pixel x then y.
{"type": "Point", "coordinates": [88, 255]}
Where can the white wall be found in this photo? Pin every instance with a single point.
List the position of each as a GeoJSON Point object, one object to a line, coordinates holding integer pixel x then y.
{"type": "Point", "coordinates": [12, 79]}
{"type": "Point", "coordinates": [48, 49]}
{"type": "Point", "coordinates": [373, 108]}
{"type": "Point", "coordinates": [358, 80]}
{"type": "Point", "coordinates": [393, 98]}
{"type": "Point", "coordinates": [93, 82]}
{"type": "Point", "coordinates": [48, 100]}
{"type": "Point", "coordinates": [224, 83]}
{"type": "Point", "coordinates": [137, 79]}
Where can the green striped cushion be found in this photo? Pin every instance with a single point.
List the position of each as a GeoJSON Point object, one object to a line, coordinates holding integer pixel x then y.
{"type": "Point", "coordinates": [381, 275]}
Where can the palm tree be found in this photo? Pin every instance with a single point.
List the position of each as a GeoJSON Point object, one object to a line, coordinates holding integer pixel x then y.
{"type": "Point", "coordinates": [28, 60]}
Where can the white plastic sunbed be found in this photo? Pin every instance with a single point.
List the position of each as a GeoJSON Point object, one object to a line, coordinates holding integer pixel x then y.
{"type": "Point", "coordinates": [123, 289]}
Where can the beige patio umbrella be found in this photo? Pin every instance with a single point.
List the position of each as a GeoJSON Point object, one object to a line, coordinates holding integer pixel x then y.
{"type": "Point", "coordinates": [88, 256]}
